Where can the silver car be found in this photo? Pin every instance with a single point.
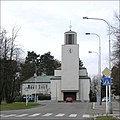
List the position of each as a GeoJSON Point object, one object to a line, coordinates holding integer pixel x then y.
{"type": "Point", "coordinates": [104, 99]}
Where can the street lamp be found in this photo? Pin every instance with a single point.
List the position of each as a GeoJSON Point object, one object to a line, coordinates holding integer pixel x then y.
{"type": "Point", "coordinates": [110, 103]}
{"type": "Point", "coordinates": [93, 52]}
{"type": "Point", "coordinates": [99, 62]}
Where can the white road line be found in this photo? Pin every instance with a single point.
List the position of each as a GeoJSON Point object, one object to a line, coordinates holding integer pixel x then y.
{"type": "Point", "coordinates": [36, 114]}
{"type": "Point", "coordinates": [47, 114]}
{"type": "Point", "coordinates": [9, 115]}
{"type": "Point", "coordinates": [21, 115]}
{"type": "Point", "coordinates": [86, 115]}
{"type": "Point", "coordinates": [73, 115]}
{"type": "Point", "coordinates": [60, 115]}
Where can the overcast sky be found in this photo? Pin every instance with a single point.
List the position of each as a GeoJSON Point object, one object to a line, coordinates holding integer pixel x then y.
{"type": "Point", "coordinates": [43, 24]}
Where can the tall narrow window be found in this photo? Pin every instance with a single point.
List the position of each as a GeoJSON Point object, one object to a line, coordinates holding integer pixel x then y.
{"type": "Point", "coordinates": [39, 87]}
{"type": "Point", "coordinates": [46, 86]}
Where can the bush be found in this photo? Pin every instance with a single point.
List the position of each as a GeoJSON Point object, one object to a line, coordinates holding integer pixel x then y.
{"type": "Point", "coordinates": [44, 97]}
{"type": "Point", "coordinates": [92, 96]}
{"type": "Point", "coordinates": [18, 99]}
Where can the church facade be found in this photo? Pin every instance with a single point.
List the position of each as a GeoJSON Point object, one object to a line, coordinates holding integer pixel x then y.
{"type": "Point", "coordinates": [70, 80]}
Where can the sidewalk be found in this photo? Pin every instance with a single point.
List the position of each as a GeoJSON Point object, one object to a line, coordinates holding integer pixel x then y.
{"type": "Point", "coordinates": [101, 109]}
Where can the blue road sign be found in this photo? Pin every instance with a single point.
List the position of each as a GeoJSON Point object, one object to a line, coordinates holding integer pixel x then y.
{"type": "Point", "coordinates": [106, 81]}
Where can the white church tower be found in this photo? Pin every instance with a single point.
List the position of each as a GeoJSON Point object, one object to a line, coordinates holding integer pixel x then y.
{"type": "Point", "coordinates": [70, 65]}
{"type": "Point", "coordinates": [70, 80]}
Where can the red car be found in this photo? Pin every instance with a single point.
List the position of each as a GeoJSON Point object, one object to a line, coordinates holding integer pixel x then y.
{"type": "Point", "coordinates": [69, 99]}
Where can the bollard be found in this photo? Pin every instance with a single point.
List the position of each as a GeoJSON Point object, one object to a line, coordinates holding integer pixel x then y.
{"type": "Point", "coordinates": [93, 105]}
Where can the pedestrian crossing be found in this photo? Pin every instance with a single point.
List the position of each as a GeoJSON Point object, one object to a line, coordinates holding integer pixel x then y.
{"type": "Point", "coordinates": [11, 115]}
{"type": "Point", "coordinates": [72, 115]}
{"type": "Point", "coordinates": [60, 115]}
{"type": "Point", "coordinates": [33, 115]}
{"type": "Point", "coordinates": [47, 114]}
{"type": "Point", "coordinates": [22, 115]}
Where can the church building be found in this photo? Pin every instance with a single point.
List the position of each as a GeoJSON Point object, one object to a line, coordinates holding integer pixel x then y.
{"type": "Point", "coordinates": [70, 80]}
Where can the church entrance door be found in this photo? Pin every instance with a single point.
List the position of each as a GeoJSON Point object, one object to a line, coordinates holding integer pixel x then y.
{"type": "Point", "coordinates": [70, 94]}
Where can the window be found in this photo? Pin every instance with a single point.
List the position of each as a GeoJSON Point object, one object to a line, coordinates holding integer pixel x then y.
{"type": "Point", "coordinates": [39, 87]}
{"type": "Point", "coordinates": [28, 86]}
{"type": "Point", "coordinates": [69, 38]}
{"type": "Point", "coordinates": [32, 86]}
{"type": "Point", "coordinates": [43, 86]}
{"type": "Point", "coordinates": [46, 86]}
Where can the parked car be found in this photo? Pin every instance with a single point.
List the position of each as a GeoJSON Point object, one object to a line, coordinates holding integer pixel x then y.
{"type": "Point", "coordinates": [30, 99]}
{"type": "Point", "coordinates": [104, 99]}
{"type": "Point", "coordinates": [69, 99]}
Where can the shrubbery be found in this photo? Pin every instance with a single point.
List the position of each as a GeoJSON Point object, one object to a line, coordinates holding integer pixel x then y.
{"type": "Point", "coordinates": [18, 98]}
{"type": "Point", "coordinates": [92, 97]}
{"type": "Point", "coordinates": [44, 97]}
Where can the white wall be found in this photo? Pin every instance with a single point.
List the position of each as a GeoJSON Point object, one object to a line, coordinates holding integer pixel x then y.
{"type": "Point", "coordinates": [84, 89]}
{"type": "Point", "coordinates": [56, 90]}
{"type": "Point", "coordinates": [70, 67]}
{"type": "Point", "coordinates": [83, 72]}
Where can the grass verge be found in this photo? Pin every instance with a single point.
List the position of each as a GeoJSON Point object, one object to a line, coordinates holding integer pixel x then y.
{"type": "Point", "coordinates": [106, 118]}
{"type": "Point", "coordinates": [18, 105]}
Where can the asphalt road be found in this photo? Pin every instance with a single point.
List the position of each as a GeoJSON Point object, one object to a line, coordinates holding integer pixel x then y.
{"type": "Point", "coordinates": [50, 111]}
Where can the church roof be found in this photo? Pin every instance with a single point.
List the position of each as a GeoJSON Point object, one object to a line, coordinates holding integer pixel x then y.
{"type": "Point", "coordinates": [39, 79]}
{"type": "Point", "coordinates": [59, 68]}
{"type": "Point", "coordinates": [56, 78]}
{"type": "Point", "coordinates": [82, 68]}
{"type": "Point", "coordinates": [59, 77]}
{"type": "Point", "coordinates": [70, 31]}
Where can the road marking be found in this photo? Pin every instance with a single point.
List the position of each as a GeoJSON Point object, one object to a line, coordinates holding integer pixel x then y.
{"type": "Point", "coordinates": [47, 114]}
{"type": "Point", "coordinates": [8, 115]}
{"type": "Point", "coordinates": [60, 115]}
{"type": "Point", "coordinates": [21, 115]}
{"type": "Point", "coordinates": [86, 115]}
{"type": "Point", "coordinates": [36, 114]}
{"type": "Point", "coordinates": [73, 115]}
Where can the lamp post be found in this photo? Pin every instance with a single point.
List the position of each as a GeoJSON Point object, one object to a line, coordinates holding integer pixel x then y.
{"type": "Point", "coordinates": [35, 75]}
{"type": "Point", "coordinates": [110, 103]}
{"type": "Point", "coordinates": [99, 64]}
{"type": "Point", "coordinates": [98, 74]}
{"type": "Point", "coordinates": [56, 91]}
{"type": "Point", "coordinates": [26, 90]}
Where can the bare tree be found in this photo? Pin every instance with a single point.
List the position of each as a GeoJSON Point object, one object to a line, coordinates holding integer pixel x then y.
{"type": "Point", "coordinates": [9, 54]}
{"type": "Point", "coordinates": [14, 35]}
{"type": "Point", "coordinates": [115, 30]}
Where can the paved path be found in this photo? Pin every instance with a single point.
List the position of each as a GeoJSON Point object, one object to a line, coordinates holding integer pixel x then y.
{"type": "Point", "coordinates": [101, 109]}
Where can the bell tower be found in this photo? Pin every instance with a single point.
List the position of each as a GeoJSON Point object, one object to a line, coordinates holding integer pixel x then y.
{"type": "Point", "coordinates": [70, 37]}
{"type": "Point", "coordinates": [70, 66]}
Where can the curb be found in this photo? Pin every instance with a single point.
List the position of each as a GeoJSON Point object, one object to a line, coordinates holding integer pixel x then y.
{"type": "Point", "coordinates": [117, 116]}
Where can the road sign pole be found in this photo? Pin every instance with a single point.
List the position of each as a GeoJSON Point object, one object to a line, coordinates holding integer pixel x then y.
{"type": "Point", "coordinates": [106, 99]}
{"type": "Point", "coordinates": [110, 101]}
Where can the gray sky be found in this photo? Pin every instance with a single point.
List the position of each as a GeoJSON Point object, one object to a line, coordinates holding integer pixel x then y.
{"type": "Point", "coordinates": [43, 24]}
